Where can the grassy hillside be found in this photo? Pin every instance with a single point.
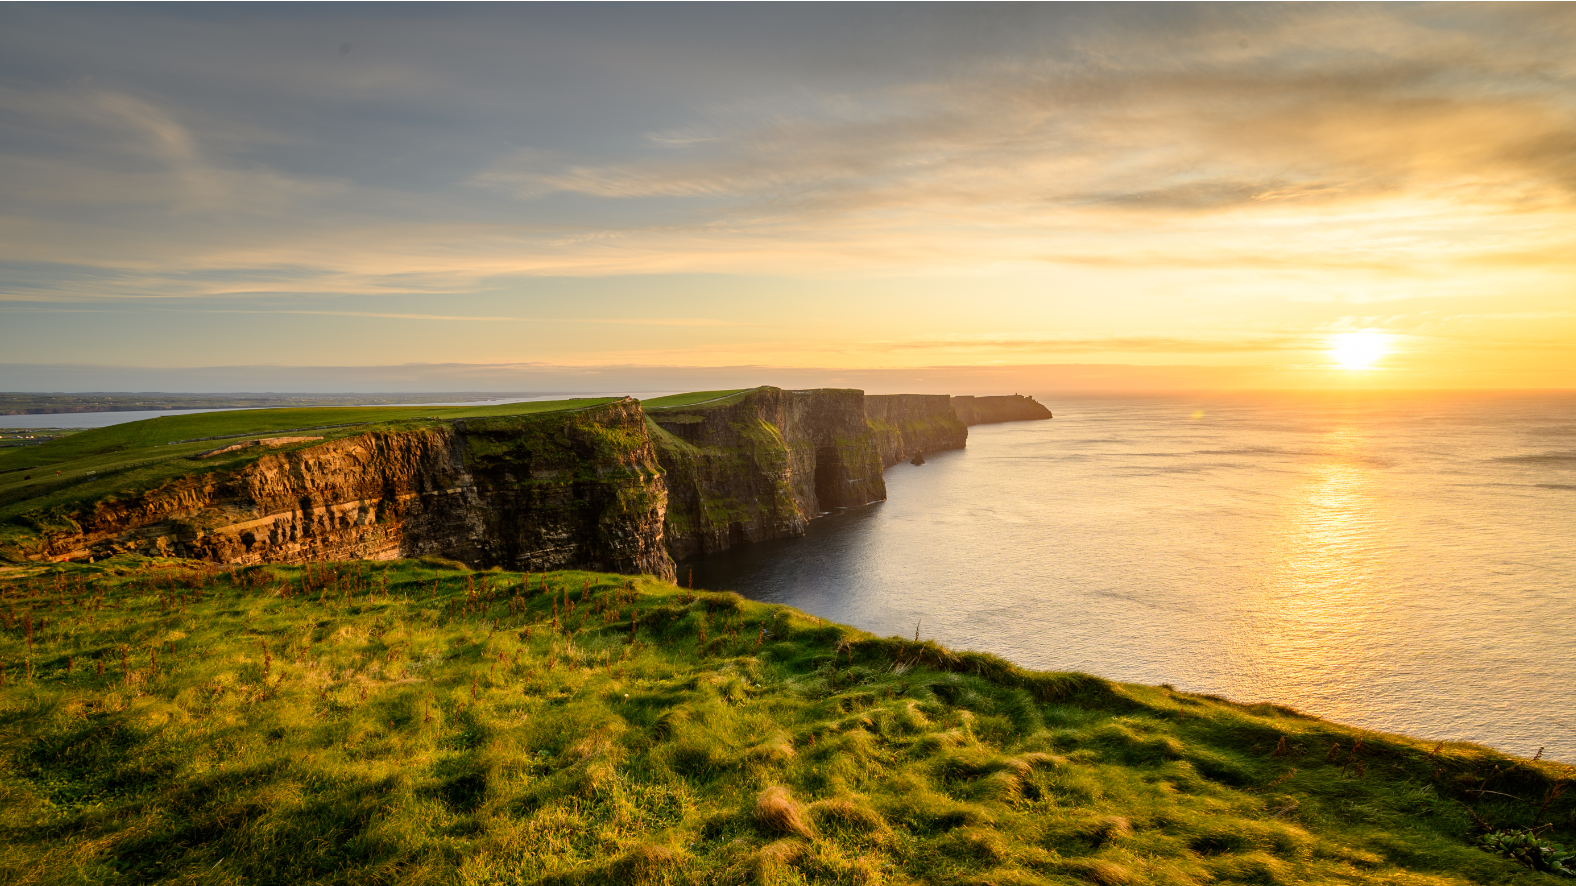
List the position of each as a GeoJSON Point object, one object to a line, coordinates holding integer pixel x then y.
{"type": "Point", "coordinates": [694, 398]}
{"type": "Point", "coordinates": [132, 438]}
{"type": "Point", "coordinates": [414, 722]}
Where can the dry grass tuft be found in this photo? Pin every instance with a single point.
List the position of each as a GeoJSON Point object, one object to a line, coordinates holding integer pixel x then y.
{"type": "Point", "coordinates": [1003, 786]}
{"type": "Point", "coordinates": [645, 863]}
{"type": "Point", "coordinates": [1099, 871]}
{"type": "Point", "coordinates": [1005, 877]}
{"type": "Point", "coordinates": [777, 812]}
{"type": "Point", "coordinates": [1108, 829]}
{"type": "Point", "coordinates": [778, 749]}
{"type": "Point", "coordinates": [1042, 760]}
{"type": "Point", "coordinates": [936, 742]}
{"type": "Point", "coordinates": [977, 843]}
{"type": "Point", "coordinates": [847, 814]}
{"type": "Point", "coordinates": [774, 858]}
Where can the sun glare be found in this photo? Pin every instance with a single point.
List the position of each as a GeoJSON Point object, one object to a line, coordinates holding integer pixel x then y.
{"type": "Point", "coordinates": [1359, 350]}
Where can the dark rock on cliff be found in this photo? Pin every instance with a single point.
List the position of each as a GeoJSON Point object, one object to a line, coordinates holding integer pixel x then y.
{"type": "Point", "coordinates": [990, 410]}
{"type": "Point", "coordinates": [545, 491]}
{"type": "Point", "coordinates": [906, 424]}
{"type": "Point", "coordinates": [729, 475]}
{"type": "Point", "coordinates": [761, 463]}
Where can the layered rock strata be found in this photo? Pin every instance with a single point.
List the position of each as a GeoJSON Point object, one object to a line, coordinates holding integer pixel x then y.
{"type": "Point", "coordinates": [608, 487]}
{"type": "Point", "coordinates": [559, 490]}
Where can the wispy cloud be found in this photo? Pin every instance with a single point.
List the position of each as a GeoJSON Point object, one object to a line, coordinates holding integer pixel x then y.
{"type": "Point", "coordinates": [1217, 182]}
{"type": "Point", "coordinates": [392, 315]}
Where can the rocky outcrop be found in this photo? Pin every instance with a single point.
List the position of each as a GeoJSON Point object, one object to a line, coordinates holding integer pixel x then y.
{"type": "Point", "coordinates": [729, 473]}
{"type": "Point", "coordinates": [906, 425]}
{"type": "Point", "coordinates": [558, 490]}
{"type": "Point", "coordinates": [990, 410]}
{"type": "Point", "coordinates": [762, 463]}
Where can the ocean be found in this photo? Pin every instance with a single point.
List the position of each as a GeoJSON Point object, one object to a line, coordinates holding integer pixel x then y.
{"type": "Point", "coordinates": [1397, 562]}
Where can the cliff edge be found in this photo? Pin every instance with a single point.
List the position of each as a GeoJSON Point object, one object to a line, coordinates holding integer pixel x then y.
{"type": "Point", "coordinates": [616, 485]}
{"type": "Point", "coordinates": [574, 488]}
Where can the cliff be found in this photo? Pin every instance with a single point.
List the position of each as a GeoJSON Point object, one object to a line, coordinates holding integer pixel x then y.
{"type": "Point", "coordinates": [905, 425]}
{"type": "Point", "coordinates": [990, 410]}
{"type": "Point", "coordinates": [615, 486]}
{"type": "Point", "coordinates": [529, 492]}
{"type": "Point", "coordinates": [761, 463]}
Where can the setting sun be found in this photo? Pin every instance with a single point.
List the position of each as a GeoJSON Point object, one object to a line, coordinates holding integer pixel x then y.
{"type": "Point", "coordinates": [1359, 350]}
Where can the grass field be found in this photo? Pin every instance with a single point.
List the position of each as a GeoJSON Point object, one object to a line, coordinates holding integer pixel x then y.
{"type": "Point", "coordinates": [693, 398]}
{"type": "Point", "coordinates": [414, 722]}
{"type": "Point", "coordinates": [133, 438]}
{"type": "Point", "coordinates": [15, 437]}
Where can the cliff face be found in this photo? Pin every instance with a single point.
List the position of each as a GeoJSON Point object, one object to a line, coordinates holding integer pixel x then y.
{"type": "Point", "coordinates": [990, 410]}
{"type": "Point", "coordinates": [905, 425]}
{"type": "Point", "coordinates": [532, 492]}
{"type": "Point", "coordinates": [608, 487]}
{"type": "Point", "coordinates": [761, 464]}
{"type": "Point", "coordinates": [729, 474]}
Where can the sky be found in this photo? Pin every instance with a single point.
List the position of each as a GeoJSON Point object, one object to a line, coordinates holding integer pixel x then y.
{"type": "Point", "coordinates": [900, 197]}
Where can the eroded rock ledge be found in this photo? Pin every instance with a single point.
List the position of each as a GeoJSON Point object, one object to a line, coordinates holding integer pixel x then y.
{"type": "Point", "coordinates": [578, 489]}
{"type": "Point", "coordinates": [612, 487]}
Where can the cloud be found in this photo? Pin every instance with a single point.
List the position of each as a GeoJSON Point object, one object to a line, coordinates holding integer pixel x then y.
{"type": "Point", "coordinates": [1160, 134]}
{"type": "Point", "coordinates": [920, 171]}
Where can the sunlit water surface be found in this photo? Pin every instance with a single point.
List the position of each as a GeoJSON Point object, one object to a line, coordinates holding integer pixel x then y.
{"type": "Point", "coordinates": [1403, 564]}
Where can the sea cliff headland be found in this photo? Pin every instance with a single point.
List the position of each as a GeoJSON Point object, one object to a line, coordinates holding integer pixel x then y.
{"type": "Point", "coordinates": [609, 484]}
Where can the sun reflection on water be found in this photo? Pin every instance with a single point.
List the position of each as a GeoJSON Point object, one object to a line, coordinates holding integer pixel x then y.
{"type": "Point", "coordinates": [1312, 627]}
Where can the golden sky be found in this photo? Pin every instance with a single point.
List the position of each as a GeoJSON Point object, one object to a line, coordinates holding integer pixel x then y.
{"type": "Point", "coordinates": [1196, 196]}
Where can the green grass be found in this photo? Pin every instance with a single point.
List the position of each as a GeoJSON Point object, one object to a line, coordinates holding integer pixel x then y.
{"type": "Point", "coordinates": [133, 438]}
{"type": "Point", "coordinates": [696, 397]}
{"type": "Point", "coordinates": [11, 438]}
{"type": "Point", "coordinates": [414, 722]}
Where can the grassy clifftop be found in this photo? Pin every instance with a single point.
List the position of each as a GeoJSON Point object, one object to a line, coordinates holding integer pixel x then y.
{"type": "Point", "coordinates": [414, 722]}
{"type": "Point", "coordinates": [43, 488]}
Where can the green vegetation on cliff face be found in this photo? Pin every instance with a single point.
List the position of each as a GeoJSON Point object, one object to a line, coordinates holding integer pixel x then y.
{"type": "Point", "coordinates": [412, 722]}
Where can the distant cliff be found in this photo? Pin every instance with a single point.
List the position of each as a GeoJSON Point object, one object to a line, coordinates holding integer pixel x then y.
{"type": "Point", "coordinates": [990, 410]}
{"type": "Point", "coordinates": [614, 487]}
{"type": "Point", "coordinates": [905, 425]}
{"type": "Point", "coordinates": [759, 464]}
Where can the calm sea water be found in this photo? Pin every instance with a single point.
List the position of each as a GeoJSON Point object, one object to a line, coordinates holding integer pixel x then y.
{"type": "Point", "coordinates": [1397, 563]}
